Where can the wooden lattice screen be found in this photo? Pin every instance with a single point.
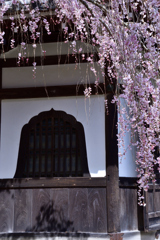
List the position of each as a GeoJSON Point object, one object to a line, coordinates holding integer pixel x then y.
{"type": "Point", "coordinates": [52, 145]}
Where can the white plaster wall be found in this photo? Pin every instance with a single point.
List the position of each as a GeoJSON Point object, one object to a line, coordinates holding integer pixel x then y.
{"type": "Point", "coordinates": [53, 75]}
{"type": "Point", "coordinates": [15, 113]}
{"type": "Point", "coordinates": [127, 166]}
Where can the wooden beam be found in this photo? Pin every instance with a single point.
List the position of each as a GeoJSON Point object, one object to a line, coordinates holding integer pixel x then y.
{"type": "Point", "coordinates": [0, 73]}
{"type": "Point", "coordinates": [112, 173]}
{"type": "Point", "coordinates": [48, 60]}
{"type": "Point", "coordinates": [128, 182]}
{"type": "Point", "coordinates": [50, 91]}
{"type": "Point", "coordinates": [55, 182]}
{"type": "Point", "coordinates": [69, 182]}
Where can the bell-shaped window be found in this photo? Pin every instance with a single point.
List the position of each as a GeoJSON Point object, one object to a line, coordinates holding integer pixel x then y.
{"type": "Point", "coordinates": [52, 145]}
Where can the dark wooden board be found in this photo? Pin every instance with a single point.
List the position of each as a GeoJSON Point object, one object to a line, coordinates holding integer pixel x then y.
{"type": "Point", "coordinates": [128, 209]}
{"type": "Point", "coordinates": [65, 210]}
{"type": "Point", "coordinates": [48, 60]}
{"type": "Point", "coordinates": [97, 182]}
{"type": "Point", "coordinates": [1, 73]}
{"type": "Point", "coordinates": [112, 172]}
{"type": "Point", "coordinates": [40, 210]}
{"type": "Point", "coordinates": [43, 92]}
{"type": "Point", "coordinates": [128, 182]}
{"type": "Point", "coordinates": [22, 210]}
{"type": "Point", "coordinates": [97, 213]}
{"type": "Point", "coordinates": [70, 182]}
{"type": "Point", "coordinates": [78, 209]}
{"type": "Point", "coordinates": [157, 200]}
{"type": "Point", "coordinates": [151, 212]}
{"type": "Point", "coordinates": [59, 217]}
{"type": "Point", "coordinates": [6, 210]}
{"type": "Point", "coordinates": [150, 202]}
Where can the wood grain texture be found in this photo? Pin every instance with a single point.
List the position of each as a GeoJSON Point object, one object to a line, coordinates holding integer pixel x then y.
{"type": "Point", "coordinates": [6, 210]}
{"type": "Point", "coordinates": [152, 210]}
{"type": "Point", "coordinates": [112, 173]}
{"type": "Point", "coordinates": [53, 210]}
{"type": "Point", "coordinates": [97, 213]}
{"type": "Point", "coordinates": [154, 223]}
{"type": "Point", "coordinates": [60, 218]}
{"type": "Point", "coordinates": [22, 210]}
{"type": "Point", "coordinates": [78, 209]}
{"type": "Point", "coordinates": [157, 200]}
{"type": "Point", "coordinates": [41, 206]}
{"type": "Point", "coordinates": [150, 204]}
{"type": "Point", "coordinates": [1, 73]}
{"type": "Point", "coordinates": [62, 182]}
{"type": "Point", "coordinates": [128, 209]}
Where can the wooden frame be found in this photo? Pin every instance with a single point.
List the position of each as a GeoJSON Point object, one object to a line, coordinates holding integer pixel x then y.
{"type": "Point", "coordinates": [112, 173]}
{"type": "Point", "coordinates": [49, 91]}
{"type": "Point", "coordinates": [49, 60]}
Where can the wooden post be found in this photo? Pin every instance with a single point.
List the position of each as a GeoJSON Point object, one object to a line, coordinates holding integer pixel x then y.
{"type": "Point", "coordinates": [112, 173]}
{"type": "Point", "coordinates": [0, 91]}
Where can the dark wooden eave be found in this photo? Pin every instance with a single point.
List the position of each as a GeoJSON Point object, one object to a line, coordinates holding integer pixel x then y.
{"type": "Point", "coordinates": [50, 91]}
{"type": "Point", "coordinates": [48, 60]}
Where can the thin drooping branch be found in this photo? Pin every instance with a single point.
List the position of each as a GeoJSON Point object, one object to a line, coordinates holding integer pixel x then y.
{"type": "Point", "coordinates": [96, 3]}
{"type": "Point", "coordinates": [127, 36]}
{"type": "Point", "coordinates": [90, 10]}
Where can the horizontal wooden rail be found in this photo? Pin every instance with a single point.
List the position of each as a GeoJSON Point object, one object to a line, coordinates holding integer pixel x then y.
{"type": "Point", "coordinates": [62, 182]}
{"type": "Point", "coordinates": [50, 91]}
{"type": "Point", "coordinates": [154, 214]}
{"type": "Point", "coordinates": [48, 60]}
{"type": "Point", "coordinates": [69, 182]}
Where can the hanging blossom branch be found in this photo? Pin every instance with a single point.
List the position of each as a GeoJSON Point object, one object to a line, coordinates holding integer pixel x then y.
{"type": "Point", "coordinates": [133, 47]}
{"type": "Point", "coordinates": [127, 36]}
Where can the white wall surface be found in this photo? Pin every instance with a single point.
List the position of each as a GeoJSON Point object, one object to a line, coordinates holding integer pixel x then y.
{"type": "Point", "coordinates": [16, 113]}
{"type": "Point", "coordinates": [127, 166]}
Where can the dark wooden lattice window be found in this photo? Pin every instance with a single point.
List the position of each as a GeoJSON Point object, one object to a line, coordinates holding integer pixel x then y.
{"type": "Point", "coordinates": [52, 145]}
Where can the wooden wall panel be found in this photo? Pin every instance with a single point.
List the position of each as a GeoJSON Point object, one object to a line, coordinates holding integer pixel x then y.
{"type": "Point", "coordinates": [40, 209]}
{"type": "Point", "coordinates": [152, 209]}
{"type": "Point", "coordinates": [22, 210]}
{"type": "Point", "coordinates": [150, 204]}
{"type": "Point", "coordinates": [87, 209]}
{"type": "Point", "coordinates": [157, 200]}
{"type": "Point", "coordinates": [6, 210]}
{"type": "Point", "coordinates": [53, 210]}
{"type": "Point", "coordinates": [78, 209]}
{"type": "Point", "coordinates": [128, 209]}
{"type": "Point", "coordinates": [59, 219]}
{"type": "Point", "coordinates": [97, 210]}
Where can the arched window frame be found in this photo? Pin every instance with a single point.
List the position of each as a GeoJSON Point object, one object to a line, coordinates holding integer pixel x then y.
{"type": "Point", "coordinates": [24, 146]}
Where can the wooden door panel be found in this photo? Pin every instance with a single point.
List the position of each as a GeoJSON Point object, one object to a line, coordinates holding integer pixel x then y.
{"type": "Point", "coordinates": [152, 209]}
